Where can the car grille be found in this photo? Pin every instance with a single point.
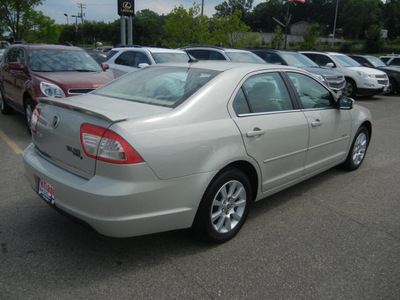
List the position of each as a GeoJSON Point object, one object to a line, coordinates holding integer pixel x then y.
{"type": "Point", "coordinates": [335, 82]}
{"type": "Point", "coordinates": [79, 91]}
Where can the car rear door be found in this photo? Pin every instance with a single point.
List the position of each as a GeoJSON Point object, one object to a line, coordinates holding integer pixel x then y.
{"type": "Point", "coordinates": [274, 130]}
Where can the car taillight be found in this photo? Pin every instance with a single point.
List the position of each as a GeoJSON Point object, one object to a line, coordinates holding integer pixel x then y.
{"type": "Point", "coordinates": [35, 119]}
{"type": "Point", "coordinates": [106, 145]}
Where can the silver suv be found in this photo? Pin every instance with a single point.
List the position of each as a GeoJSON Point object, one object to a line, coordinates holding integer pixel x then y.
{"type": "Point", "coordinates": [123, 60]}
{"type": "Point", "coordinates": [217, 53]}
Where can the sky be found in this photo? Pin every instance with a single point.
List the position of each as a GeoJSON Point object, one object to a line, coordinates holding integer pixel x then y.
{"type": "Point", "coordinates": [106, 10]}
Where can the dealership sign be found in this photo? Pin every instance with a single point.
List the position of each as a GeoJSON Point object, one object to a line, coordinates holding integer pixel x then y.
{"type": "Point", "coordinates": [126, 7]}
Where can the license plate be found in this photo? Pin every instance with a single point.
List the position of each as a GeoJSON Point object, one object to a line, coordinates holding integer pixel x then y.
{"type": "Point", "coordinates": [46, 191]}
{"type": "Point", "coordinates": [385, 89]}
{"type": "Point", "coordinates": [339, 93]}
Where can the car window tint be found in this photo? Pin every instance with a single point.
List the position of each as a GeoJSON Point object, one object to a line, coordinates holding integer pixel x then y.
{"type": "Point", "coordinates": [311, 93]}
{"type": "Point", "coordinates": [266, 93]}
{"type": "Point", "coordinates": [240, 104]}
{"type": "Point", "coordinates": [395, 61]}
{"type": "Point", "coordinates": [273, 58]}
{"type": "Point", "coordinates": [323, 60]}
{"type": "Point", "coordinates": [141, 58]}
{"type": "Point", "coordinates": [111, 53]}
{"type": "Point", "coordinates": [170, 57]}
{"type": "Point", "coordinates": [162, 86]}
{"type": "Point", "coordinates": [214, 55]}
{"type": "Point", "coordinates": [126, 58]}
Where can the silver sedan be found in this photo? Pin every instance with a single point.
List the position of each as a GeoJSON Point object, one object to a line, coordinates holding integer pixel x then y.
{"type": "Point", "coordinates": [189, 145]}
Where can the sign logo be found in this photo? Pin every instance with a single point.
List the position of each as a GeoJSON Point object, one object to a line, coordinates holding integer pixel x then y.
{"type": "Point", "coordinates": [126, 7]}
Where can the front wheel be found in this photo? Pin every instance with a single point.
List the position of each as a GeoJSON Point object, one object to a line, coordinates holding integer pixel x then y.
{"type": "Point", "coordinates": [29, 107]}
{"type": "Point", "coordinates": [5, 109]}
{"type": "Point", "coordinates": [224, 206]}
{"type": "Point", "coordinates": [358, 150]}
{"type": "Point", "coordinates": [350, 88]}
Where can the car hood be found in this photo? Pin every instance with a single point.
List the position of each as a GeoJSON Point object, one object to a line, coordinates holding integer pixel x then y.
{"type": "Point", "coordinates": [77, 79]}
{"type": "Point", "coordinates": [390, 69]}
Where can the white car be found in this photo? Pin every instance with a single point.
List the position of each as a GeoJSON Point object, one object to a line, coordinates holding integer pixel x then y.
{"type": "Point", "coordinates": [123, 60]}
{"type": "Point", "coordinates": [185, 145]}
{"type": "Point", "coordinates": [360, 80]}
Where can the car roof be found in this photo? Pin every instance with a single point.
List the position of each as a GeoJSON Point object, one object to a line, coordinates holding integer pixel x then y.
{"type": "Point", "coordinates": [46, 47]}
{"type": "Point", "coordinates": [222, 65]}
{"type": "Point", "coordinates": [214, 48]}
{"type": "Point", "coordinates": [151, 49]}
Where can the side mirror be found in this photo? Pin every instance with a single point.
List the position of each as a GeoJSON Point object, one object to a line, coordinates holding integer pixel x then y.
{"type": "Point", "coordinates": [105, 66]}
{"type": "Point", "coordinates": [15, 66]}
{"type": "Point", "coordinates": [330, 65]}
{"type": "Point", "coordinates": [143, 65]}
{"type": "Point", "coordinates": [345, 103]}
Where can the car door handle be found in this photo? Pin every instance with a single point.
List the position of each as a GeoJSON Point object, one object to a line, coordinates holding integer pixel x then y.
{"type": "Point", "coordinates": [255, 132]}
{"type": "Point", "coordinates": [316, 123]}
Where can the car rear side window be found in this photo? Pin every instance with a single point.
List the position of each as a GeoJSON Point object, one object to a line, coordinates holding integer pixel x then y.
{"type": "Point", "coordinates": [126, 58]}
{"type": "Point", "coordinates": [263, 93]}
{"type": "Point", "coordinates": [162, 86]}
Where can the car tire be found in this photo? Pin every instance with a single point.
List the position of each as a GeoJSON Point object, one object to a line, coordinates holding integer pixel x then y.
{"type": "Point", "coordinates": [350, 89]}
{"type": "Point", "coordinates": [28, 109]}
{"type": "Point", "coordinates": [4, 107]}
{"type": "Point", "coordinates": [392, 87]}
{"type": "Point", "coordinates": [358, 150]}
{"type": "Point", "coordinates": [224, 206]}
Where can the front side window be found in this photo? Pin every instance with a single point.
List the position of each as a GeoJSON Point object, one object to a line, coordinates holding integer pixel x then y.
{"type": "Point", "coordinates": [323, 60]}
{"type": "Point", "coordinates": [262, 93]}
{"type": "Point", "coordinates": [162, 86]}
{"type": "Point", "coordinates": [16, 55]}
{"type": "Point", "coordinates": [311, 93]}
{"type": "Point", "coordinates": [141, 58]}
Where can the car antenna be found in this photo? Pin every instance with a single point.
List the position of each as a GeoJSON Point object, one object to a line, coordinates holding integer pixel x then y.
{"type": "Point", "coordinates": [191, 58]}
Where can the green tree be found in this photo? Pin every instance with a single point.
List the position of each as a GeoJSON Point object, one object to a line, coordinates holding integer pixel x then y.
{"type": "Point", "coordinates": [148, 28]}
{"type": "Point", "coordinates": [186, 27]}
{"type": "Point", "coordinates": [231, 31]}
{"type": "Point", "coordinates": [373, 39]}
{"type": "Point", "coordinates": [278, 38]}
{"type": "Point", "coordinates": [226, 9]}
{"type": "Point", "coordinates": [391, 17]}
{"type": "Point", "coordinates": [310, 37]}
{"type": "Point", "coordinates": [19, 17]}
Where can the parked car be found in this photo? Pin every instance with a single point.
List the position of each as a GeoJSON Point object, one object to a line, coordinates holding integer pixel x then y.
{"type": "Point", "coordinates": [218, 53]}
{"type": "Point", "coordinates": [123, 60]}
{"type": "Point", "coordinates": [99, 56]}
{"type": "Point", "coordinates": [189, 145]}
{"type": "Point", "coordinates": [334, 80]}
{"type": "Point", "coordinates": [359, 80]}
{"type": "Point", "coordinates": [2, 53]}
{"type": "Point", "coordinates": [376, 63]}
{"type": "Point", "coordinates": [31, 71]}
{"type": "Point", "coordinates": [392, 60]}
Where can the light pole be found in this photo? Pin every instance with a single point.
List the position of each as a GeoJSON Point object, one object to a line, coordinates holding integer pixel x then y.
{"type": "Point", "coordinates": [334, 24]}
{"type": "Point", "coordinates": [67, 18]}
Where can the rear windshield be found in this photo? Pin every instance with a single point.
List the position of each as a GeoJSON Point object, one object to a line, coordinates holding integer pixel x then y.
{"type": "Point", "coordinates": [244, 57]}
{"type": "Point", "coordinates": [170, 57]}
{"type": "Point", "coordinates": [162, 86]}
{"type": "Point", "coordinates": [49, 60]}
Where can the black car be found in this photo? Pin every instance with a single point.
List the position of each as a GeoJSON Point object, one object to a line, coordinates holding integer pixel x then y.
{"type": "Point", "coordinates": [334, 80]}
{"type": "Point", "coordinates": [375, 62]}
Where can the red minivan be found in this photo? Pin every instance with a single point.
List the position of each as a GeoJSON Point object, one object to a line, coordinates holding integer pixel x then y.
{"type": "Point", "coordinates": [29, 71]}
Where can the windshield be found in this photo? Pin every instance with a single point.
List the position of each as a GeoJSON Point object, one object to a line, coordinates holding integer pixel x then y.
{"type": "Point", "coordinates": [51, 60]}
{"type": "Point", "coordinates": [170, 57]}
{"type": "Point", "coordinates": [244, 57]}
{"type": "Point", "coordinates": [163, 86]}
{"type": "Point", "coordinates": [376, 62]}
{"type": "Point", "coordinates": [346, 61]}
{"type": "Point", "coordinates": [298, 60]}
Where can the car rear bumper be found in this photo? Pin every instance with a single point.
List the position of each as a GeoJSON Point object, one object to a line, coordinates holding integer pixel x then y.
{"type": "Point", "coordinates": [127, 203]}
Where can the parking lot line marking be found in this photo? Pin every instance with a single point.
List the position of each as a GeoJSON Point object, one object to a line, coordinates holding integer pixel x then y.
{"type": "Point", "coordinates": [10, 142]}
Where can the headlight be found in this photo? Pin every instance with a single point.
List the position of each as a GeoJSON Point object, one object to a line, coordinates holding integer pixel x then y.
{"type": "Point", "coordinates": [365, 75]}
{"type": "Point", "coordinates": [320, 78]}
{"type": "Point", "coordinates": [51, 90]}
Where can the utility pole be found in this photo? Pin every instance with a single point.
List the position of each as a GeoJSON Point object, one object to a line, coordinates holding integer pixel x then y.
{"type": "Point", "coordinates": [81, 6]}
{"type": "Point", "coordinates": [202, 7]}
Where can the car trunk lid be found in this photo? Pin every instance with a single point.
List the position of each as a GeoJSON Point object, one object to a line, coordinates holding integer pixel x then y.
{"type": "Point", "coordinates": [57, 133]}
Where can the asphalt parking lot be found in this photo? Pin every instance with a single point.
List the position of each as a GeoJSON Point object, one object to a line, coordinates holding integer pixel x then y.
{"type": "Point", "coordinates": [334, 236]}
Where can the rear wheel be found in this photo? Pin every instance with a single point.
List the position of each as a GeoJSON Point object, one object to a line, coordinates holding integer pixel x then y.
{"type": "Point", "coordinates": [358, 150]}
{"type": "Point", "coordinates": [224, 206]}
{"type": "Point", "coordinates": [5, 109]}
{"type": "Point", "coordinates": [29, 107]}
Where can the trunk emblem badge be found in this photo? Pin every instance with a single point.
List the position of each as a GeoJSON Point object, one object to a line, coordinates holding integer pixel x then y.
{"type": "Point", "coordinates": [56, 121]}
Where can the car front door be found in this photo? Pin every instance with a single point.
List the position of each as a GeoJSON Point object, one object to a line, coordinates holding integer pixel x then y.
{"type": "Point", "coordinates": [274, 131]}
{"type": "Point", "coordinates": [329, 127]}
